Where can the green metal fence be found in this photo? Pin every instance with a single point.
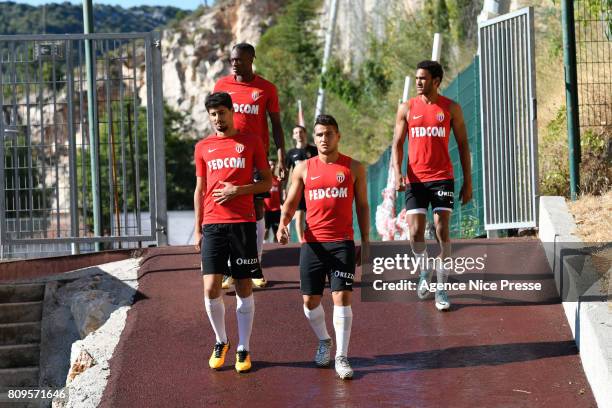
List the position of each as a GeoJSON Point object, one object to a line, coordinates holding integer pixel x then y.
{"type": "Point", "coordinates": [467, 221]}
{"type": "Point", "coordinates": [593, 30]}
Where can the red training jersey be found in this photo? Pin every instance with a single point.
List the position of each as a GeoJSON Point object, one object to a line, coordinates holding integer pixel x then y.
{"type": "Point", "coordinates": [428, 136]}
{"type": "Point", "coordinates": [273, 203]}
{"type": "Point", "coordinates": [229, 159]}
{"type": "Point", "coordinates": [251, 102]}
{"type": "Point", "coordinates": [328, 190]}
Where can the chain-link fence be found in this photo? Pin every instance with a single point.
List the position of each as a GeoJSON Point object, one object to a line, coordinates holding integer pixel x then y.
{"type": "Point", "coordinates": [593, 31]}
{"type": "Point", "coordinates": [593, 19]}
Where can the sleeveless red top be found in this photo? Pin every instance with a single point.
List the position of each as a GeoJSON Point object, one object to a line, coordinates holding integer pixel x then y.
{"type": "Point", "coordinates": [328, 190]}
{"type": "Point", "coordinates": [428, 136]}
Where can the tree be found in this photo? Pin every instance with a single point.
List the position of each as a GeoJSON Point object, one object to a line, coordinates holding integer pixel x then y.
{"type": "Point", "coordinates": [289, 55]}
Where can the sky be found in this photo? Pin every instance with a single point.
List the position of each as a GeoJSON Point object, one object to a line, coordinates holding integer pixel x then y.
{"type": "Point", "coordinates": [184, 4]}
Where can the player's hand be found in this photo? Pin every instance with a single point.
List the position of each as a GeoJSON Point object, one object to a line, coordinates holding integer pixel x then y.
{"type": "Point", "coordinates": [226, 193]}
{"type": "Point", "coordinates": [282, 169]}
{"type": "Point", "coordinates": [400, 182]}
{"type": "Point", "coordinates": [282, 235]}
{"type": "Point", "coordinates": [197, 238]}
{"type": "Point", "coordinates": [465, 195]}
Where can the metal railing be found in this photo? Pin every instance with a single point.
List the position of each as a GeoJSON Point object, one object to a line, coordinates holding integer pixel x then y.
{"type": "Point", "coordinates": [46, 172]}
{"type": "Point", "coordinates": [509, 129]}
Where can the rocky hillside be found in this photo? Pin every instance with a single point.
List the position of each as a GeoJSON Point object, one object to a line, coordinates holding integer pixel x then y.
{"type": "Point", "coordinates": [195, 52]}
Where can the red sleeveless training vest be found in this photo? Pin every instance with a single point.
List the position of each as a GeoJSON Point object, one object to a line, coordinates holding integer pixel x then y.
{"type": "Point", "coordinates": [328, 190]}
{"type": "Point", "coordinates": [428, 135]}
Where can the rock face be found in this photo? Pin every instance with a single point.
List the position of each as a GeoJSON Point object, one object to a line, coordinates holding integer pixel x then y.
{"type": "Point", "coordinates": [82, 323]}
{"type": "Point", "coordinates": [357, 20]}
{"type": "Point", "coordinates": [196, 54]}
{"type": "Point", "coordinates": [76, 317]}
{"type": "Point", "coordinates": [91, 309]}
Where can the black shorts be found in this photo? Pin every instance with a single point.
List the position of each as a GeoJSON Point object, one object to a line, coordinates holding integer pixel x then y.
{"type": "Point", "coordinates": [302, 204]}
{"type": "Point", "coordinates": [272, 219]}
{"type": "Point", "coordinates": [334, 260]}
{"type": "Point", "coordinates": [260, 196]}
{"type": "Point", "coordinates": [234, 241]}
{"type": "Point", "coordinates": [440, 194]}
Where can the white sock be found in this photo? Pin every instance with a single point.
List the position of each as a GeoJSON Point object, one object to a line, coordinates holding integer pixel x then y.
{"type": "Point", "coordinates": [215, 309]}
{"type": "Point", "coordinates": [316, 318]}
{"type": "Point", "coordinates": [245, 311]}
{"type": "Point", "coordinates": [420, 260]}
{"type": "Point", "coordinates": [442, 274]}
{"type": "Point", "coordinates": [343, 320]}
{"type": "Point", "coordinates": [261, 231]}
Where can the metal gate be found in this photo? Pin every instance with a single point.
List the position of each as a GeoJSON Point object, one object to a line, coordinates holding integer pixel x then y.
{"type": "Point", "coordinates": [56, 193]}
{"type": "Point", "coordinates": [509, 128]}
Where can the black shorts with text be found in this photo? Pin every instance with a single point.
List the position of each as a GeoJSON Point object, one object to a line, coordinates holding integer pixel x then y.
{"type": "Point", "coordinates": [332, 260]}
{"type": "Point", "coordinates": [440, 194]}
{"type": "Point", "coordinates": [234, 241]}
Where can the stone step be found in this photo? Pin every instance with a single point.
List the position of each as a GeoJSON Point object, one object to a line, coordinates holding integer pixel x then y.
{"type": "Point", "coordinates": [19, 333]}
{"type": "Point", "coordinates": [21, 293]}
{"type": "Point", "coordinates": [21, 312]}
{"type": "Point", "coordinates": [19, 355]}
{"type": "Point", "coordinates": [19, 377]}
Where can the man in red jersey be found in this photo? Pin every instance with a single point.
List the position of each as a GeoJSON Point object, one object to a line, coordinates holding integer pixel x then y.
{"type": "Point", "coordinates": [253, 97]}
{"type": "Point", "coordinates": [427, 120]}
{"type": "Point", "coordinates": [330, 182]}
{"type": "Point", "coordinates": [272, 204]}
{"type": "Point", "coordinates": [225, 224]}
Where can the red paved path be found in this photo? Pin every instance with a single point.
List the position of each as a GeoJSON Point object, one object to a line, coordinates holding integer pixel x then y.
{"type": "Point", "coordinates": [404, 354]}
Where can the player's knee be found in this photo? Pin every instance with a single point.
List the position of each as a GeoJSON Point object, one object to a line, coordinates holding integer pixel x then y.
{"type": "Point", "coordinates": [244, 287]}
{"type": "Point", "coordinates": [212, 292]}
{"type": "Point", "coordinates": [311, 302]}
{"type": "Point", "coordinates": [342, 298]}
{"type": "Point", "coordinates": [442, 232]}
{"type": "Point", "coordinates": [417, 232]}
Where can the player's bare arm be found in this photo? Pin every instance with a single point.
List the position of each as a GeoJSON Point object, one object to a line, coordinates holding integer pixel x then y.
{"type": "Point", "coordinates": [397, 150]}
{"type": "Point", "coordinates": [361, 206]}
{"type": "Point", "coordinates": [292, 201]}
{"type": "Point", "coordinates": [460, 132]}
{"type": "Point", "coordinates": [230, 191]}
{"type": "Point", "coordinates": [279, 140]}
{"type": "Point", "coordinates": [197, 206]}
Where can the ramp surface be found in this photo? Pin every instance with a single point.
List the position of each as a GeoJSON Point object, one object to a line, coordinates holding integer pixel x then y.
{"type": "Point", "coordinates": [404, 354]}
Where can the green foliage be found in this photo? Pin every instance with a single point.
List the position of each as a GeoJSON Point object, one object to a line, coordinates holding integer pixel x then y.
{"type": "Point", "coordinates": [179, 171]}
{"type": "Point", "coordinates": [67, 18]}
{"type": "Point", "coordinates": [370, 84]}
{"type": "Point", "coordinates": [19, 179]}
{"type": "Point", "coordinates": [595, 169]}
{"type": "Point", "coordinates": [364, 102]}
{"type": "Point", "coordinates": [463, 15]}
{"type": "Point", "coordinates": [289, 55]}
{"type": "Point", "coordinates": [553, 152]}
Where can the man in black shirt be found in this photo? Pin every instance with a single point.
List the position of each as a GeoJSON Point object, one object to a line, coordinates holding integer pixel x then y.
{"type": "Point", "coordinates": [302, 151]}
